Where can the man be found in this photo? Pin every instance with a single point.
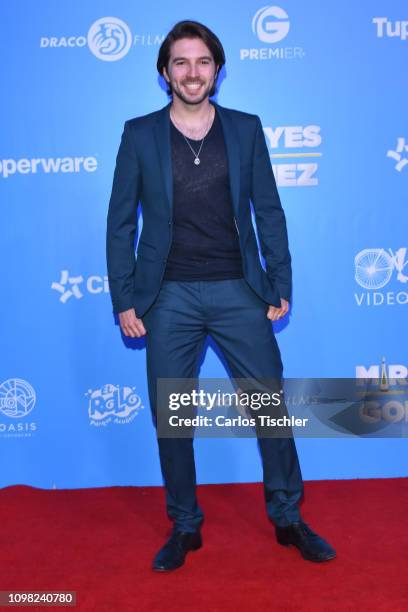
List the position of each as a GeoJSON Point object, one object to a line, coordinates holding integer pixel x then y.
{"type": "Point", "coordinates": [195, 166]}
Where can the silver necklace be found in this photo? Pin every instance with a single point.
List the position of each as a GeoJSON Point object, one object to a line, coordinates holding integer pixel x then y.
{"type": "Point", "coordinates": [197, 160]}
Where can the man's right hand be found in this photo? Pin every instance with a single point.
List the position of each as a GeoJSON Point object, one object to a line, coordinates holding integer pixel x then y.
{"type": "Point", "coordinates": [131, 325]}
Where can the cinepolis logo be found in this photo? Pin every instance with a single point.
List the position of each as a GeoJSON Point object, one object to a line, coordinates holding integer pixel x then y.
{"type": "Point", "coordinates": [109, 39]}
{"type": "Point", "coordinates": [298, 142]}
{"type": "Point", "coordinates": [47, 165]}
{"type": "Point", "coordinates": [74, 286]}
{"type": "Point", "coordinates": [374, 269]}
{"type": "Point", "coordinates": [399, 154]}
{"type": "Point", "coordinates": [270, 30]}
{"type": "Point", "coordinates": [270, 24]}
{"type": "Point", "coordinates": [112, 403]}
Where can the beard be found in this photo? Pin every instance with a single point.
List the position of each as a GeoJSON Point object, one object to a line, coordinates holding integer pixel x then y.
{"type": "Point", "coordinates": [193, 101]}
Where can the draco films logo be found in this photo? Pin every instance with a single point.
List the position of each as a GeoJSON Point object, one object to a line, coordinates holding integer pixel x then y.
{"type": "Point", "coordinates": [109, 39]}
{"type": "Point", "coordinates": [270, 24]}
{"type": "Point", "coordinates": [17, 400]}
{"type": "Point", "coordinates": [113, 403]}
{"type": "Point", "coordinates": [374, 269]}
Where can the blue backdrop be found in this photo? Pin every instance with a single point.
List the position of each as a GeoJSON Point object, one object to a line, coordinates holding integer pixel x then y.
{"type": "Point", "coordinates": [327, 80]}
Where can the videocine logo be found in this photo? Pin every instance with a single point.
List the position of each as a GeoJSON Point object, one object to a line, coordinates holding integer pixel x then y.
{"type": "Point", "coordinates": [374, 269]}
{"type": "Point", "coordinates": [108, 38]}
{"type": "Point", "coordinates": [391, 29]}
{"type": "Point", "coordinates": [289, 138]}
{"type": "Point", "coordinates": [270, 24]}
{"type": "Point", "coordinates": [47, 165]}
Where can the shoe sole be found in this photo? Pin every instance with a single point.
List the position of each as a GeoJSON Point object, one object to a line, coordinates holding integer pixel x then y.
{"type": "Point", "coordinates": [307, 557]}
{"type": "Point", "coordinates": [163, 570]}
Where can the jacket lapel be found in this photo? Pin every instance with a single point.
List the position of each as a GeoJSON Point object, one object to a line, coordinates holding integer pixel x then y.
{"type": "Point", "coordinates": [232, 147]}
{"type": "Point", "coordinates": [162, 136]}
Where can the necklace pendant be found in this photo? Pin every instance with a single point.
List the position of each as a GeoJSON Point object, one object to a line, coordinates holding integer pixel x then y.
{"type": "Point", "coordinates": [197, 161]}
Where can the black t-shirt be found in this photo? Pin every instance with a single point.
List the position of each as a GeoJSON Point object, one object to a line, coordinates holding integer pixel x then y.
{"type": "Point", "coordinates": [205, 240]}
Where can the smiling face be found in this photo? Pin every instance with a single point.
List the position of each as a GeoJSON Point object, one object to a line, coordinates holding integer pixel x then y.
{"type": "Point", "coordinates": [191, 71]}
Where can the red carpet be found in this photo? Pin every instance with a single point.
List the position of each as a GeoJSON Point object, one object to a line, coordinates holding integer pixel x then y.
{"type": "Point", "coordinates": [100, 543]}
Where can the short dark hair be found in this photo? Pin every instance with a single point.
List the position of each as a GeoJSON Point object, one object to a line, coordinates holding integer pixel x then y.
{"type": "Point", "coordinates": [191, 29]}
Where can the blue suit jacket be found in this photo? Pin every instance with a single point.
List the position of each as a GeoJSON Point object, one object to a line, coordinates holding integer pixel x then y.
{"type": "Point", "coordinates": [144, 173]}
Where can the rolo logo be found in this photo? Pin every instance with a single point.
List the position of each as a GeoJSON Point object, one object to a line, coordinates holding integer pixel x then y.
{"type": "Point", "coordinates": [109, 39]}
{"type": "Point", "coordinates": [270, 30]}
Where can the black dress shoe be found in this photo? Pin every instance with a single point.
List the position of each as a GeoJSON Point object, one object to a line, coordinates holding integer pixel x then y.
{"type": "Point", "coordinates": [312, 547]}
{"type": "Point", "coordinates": [173, 553]}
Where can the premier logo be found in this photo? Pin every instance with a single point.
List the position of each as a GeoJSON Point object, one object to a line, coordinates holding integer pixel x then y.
{"type": "Point", "coordinates": [270, 25]}
{"type": "Point", "coordinates": [47, 165]}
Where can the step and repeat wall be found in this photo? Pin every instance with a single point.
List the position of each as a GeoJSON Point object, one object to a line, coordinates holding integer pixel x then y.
{"type": "Point", "coordinates": [328, 82]}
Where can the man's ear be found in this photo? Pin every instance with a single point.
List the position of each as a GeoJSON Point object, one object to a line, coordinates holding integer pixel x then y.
{"type": "Point", "coordinates": [165, 75]}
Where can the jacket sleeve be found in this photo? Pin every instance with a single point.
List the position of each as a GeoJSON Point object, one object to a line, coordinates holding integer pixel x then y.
{"type": "Point", "coordinates": [270, 218]}
{"type": "Point", "coordinates": [122, 224]}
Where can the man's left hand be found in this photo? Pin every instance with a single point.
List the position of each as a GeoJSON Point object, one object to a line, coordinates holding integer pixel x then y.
{"type": "Point", "coordinates": [277, 313]}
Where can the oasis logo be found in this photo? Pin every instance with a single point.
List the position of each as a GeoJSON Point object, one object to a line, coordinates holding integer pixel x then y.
{"type": "Point", "coordinates": [112, 403]}
{"type": "Point", "coordinates": [47, 165]}
{"type": "Point", "coordinates": [270, 24]}
{"type": "Point", "coordinates": [299, 173]}
{"type": "Point", "coordinates": [374, 269]}
{"type": "Point", "coordinates": [17, 400]}
{"type": "Point", "coordinates": [109, 39]}
{"type": "Point", "coordinates": [391, 29]}
{"type": "Point", "coordinates": [73, 286]}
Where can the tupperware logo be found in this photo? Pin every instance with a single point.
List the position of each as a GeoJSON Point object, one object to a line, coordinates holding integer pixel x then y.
{"type": "Point", "coordinates": [47, 165]}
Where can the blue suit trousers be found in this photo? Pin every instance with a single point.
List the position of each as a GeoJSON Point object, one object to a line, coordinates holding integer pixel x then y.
{"type": "Point", "coordinates": [177, 325]}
